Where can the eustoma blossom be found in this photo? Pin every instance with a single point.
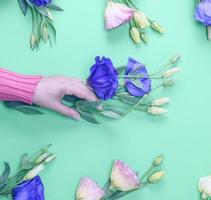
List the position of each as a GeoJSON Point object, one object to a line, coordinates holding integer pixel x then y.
{"type": "Point", "coordinates": [29, 190]}
{"type": "Point", "coordinates": [122, 181]}
{"type": "Point", "coordinates": [117, 14]}
{"type": "Point", "coordinates": [204, 186]}
{"type": "Point", "coordinates": [89, 190]}
{"type": "Point", "coordinates": [120, 90]}
{"type": "Point", "coordinates": [203, 15]}
{"type": "Point", "coordinates": [103, 78]}
{"type": "Point", "coordinates": [123, 177]}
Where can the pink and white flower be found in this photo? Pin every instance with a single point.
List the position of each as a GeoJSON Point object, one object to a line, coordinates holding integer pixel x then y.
{"type": "Point", "coordinates": [123, 177]}
{"type": "Point", "coordinates": [117, 14]}
{"type": "Point", "coordinates": [89, 190]}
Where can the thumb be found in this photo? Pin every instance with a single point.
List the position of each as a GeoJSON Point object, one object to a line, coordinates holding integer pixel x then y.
{"type": "Point", "coordinates": [64, 110]}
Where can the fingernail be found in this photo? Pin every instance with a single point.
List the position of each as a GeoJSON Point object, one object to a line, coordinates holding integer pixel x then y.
{"type": "Point", "coordinates": [76, 117]}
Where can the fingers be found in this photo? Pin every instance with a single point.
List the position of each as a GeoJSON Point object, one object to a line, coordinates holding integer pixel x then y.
{"type": "Point", "coordinates": [82, 91]}
{"type": "Point", "coordinates": [64, 110]}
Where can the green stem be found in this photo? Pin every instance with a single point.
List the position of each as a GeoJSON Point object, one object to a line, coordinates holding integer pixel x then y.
{"type": "Point", "coordinates": [140, 76]}
{"type": "Point", "coordinates": [147, 172]}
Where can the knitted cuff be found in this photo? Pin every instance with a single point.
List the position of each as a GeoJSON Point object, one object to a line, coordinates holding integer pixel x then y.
{"type": "Point", "coordinates": [17, 87]}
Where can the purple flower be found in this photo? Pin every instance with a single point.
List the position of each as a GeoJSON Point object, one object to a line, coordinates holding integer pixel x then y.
{"type": "Point", "coordinates": [29, 190]}
{"type": "Point", "coordinates": [142, 85]}
{"type": "Point", "coordinates": [103, 78]}
{"type": "Point", "coordinates": [41, 2]}
{"type": "Point", "coordinates": [203, 12]}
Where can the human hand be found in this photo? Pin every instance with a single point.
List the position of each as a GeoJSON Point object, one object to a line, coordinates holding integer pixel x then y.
{"type": "Point", "coordinates": [51, 90]}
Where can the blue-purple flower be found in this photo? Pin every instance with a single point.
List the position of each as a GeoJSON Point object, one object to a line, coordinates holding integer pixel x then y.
{"type": "Point", "coordinates": [203, 12]}
{"type": "Point", "coordinates": [29, 190]}
{"type": "Point", "coordinates": [103, 78]}
{"type": "Point", "coordinates": [140, 86]}
{"type": "Point", "coordinates": [41, 2]}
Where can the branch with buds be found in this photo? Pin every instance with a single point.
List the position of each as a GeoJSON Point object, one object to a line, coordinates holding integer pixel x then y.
{"type": "Point", "coordinates": [132, 93]}
{"type": "Point", "coordinates": [42, 21]}
{"type": "Point", "coordinates": [122, 181]}
{"type": "Point", "coordinates": [29, 168]}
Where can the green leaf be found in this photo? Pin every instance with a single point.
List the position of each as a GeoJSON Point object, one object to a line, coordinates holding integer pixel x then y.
{"type": "Point", "coordinates": [71, 99]}
{"type": "Point", "coordinates": [4, 176]}
{"type": "Point", "coordinates": [51, 26]}
{"type": "Point", "coordinates": [83, 104]}
{"type": "Point", "coordinates": [45, 12]}
{"type": "Point", "coordinates": [29, 4]}
{"type": "Point", "coordinates": [23, 5]}
{"type": "Point", "coordinates": [129, 99]}
{"type": "Point", "coordinates": [106, 187]}
{"type": "Point", "coordinates": [88, 116]}
{"type": "Point", "coordinates": [54, 7]}
{"type": "Point", "coordinates": [22, 107]}
{"type": "Point", "coordinates": [24, 160]}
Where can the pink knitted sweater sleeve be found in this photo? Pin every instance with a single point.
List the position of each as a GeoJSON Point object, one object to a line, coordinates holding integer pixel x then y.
{"type": "Point", "coordinates": [17, 87]}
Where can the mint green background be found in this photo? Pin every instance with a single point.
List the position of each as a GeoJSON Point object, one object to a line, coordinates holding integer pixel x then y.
{"type": "Point", "coordinates": [84, 149]}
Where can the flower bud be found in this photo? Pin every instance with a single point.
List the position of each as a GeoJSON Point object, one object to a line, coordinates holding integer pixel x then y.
{"type": "Point", "coordinates": [158, 160]}
{"type": "Point", "coordinates": [141, 19]}
{"type": "Point", "coordinates": [45, 148]}
{"type": "Point", "coordinates": [168, 83]}
{"type": "Point", "coordinates": [34, 172]}
{"type": "Point", "coordinates": [33, 41]}
{"type": "Point", "coordinates": [144, 37]}
{"type": "Point", "coordinates": [156, 110]}
{"type": "Point", "coordinates": [45, 34]}
{"type": "Point", "coordinates": [175, 58]}
{"type": "Point", "coordinates": [157, 27]}
{"type": "Point", "coordinates": [160, 102]}
{"type": "Point", "coordinates": [135, 34]}
{"type": "Point", "coordinates": [156, 177]}
{"type": "Point", "coordinates": [41, 158]}
{"type": "Point", "coordinates": [171, 72]}
{"type": "Point", "coordinates": [50, 158]}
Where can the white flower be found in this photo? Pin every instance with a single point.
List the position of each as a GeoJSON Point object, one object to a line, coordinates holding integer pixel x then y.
{"type": "Point", "coordinates": [160, 101]}
{"type": "Point", "coordinates": [156, 110]}
{"type": "Point", "coordinates": [204, 186]}
{"type": "Point", "coordinates": [171, 72]}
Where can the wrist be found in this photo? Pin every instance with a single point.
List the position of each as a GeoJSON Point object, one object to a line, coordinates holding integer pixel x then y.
{"type": "Point", "coordinates": [17, 87]}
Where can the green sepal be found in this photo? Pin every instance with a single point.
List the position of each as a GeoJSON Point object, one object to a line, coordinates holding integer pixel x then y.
{"type": "Point", "coordinates": [23, 5]}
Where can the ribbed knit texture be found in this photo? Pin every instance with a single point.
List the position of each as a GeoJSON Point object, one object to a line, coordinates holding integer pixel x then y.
{"type": "Point", "coordinates": [17, 87]}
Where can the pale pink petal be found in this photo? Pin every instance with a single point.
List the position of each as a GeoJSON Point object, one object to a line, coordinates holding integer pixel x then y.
{"type": "Point", "coordinates": [123, 177]}
{"type": "Point", "coordinates": [117, 14]}
{"type": "Point", "coordinates": [89, 190]}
